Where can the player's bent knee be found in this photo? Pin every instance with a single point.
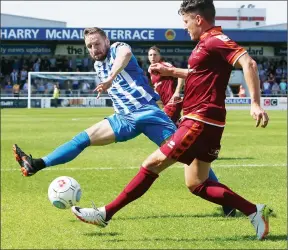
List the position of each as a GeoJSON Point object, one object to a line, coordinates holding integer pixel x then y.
{"type": "Point", "coordinates": [101, 133]}
{"type": "Point", "coordinates": [156, 162]}
{"type": "Point", "coordinates": [192, 185]}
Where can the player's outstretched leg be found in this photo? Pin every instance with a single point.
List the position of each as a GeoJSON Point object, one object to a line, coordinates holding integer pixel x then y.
{"type": "Point", "coordinates": [220, 194]}
{"type": "Point", "coordinates": [99, 134]}
{"type": "Point", "coordinates": [134, 190]}
{"type": "Point", "coordinates": [60, 155]}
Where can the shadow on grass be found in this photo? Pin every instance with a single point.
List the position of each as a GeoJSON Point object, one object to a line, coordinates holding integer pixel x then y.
{"type": "Point", "coordinates": [171, 216]}
{"type": "Point", "coordinates": [101, 234]}
{"type": "Point", "coordinates": [280, 237]}
{"type": "Point", "coordinates": [218, 214]}
{"type": "Point", "coordinates": [235, 158]}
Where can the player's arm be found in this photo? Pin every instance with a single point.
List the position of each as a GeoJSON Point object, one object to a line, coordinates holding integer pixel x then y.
{"type": "Point", "coordinates": [251, 77]}
{"type": "Point", "coordinates": [179, 86]}
{"type": "Point", "coordinates": [235, 55]}
{"type": "Point", "coordinates": [158, 68]}
{"type": "Point", "coordinates": [123, 56]}
{"type": "Point", "coordinates": [250, 72]}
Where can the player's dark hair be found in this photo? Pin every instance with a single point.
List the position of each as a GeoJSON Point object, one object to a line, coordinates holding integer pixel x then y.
{"type": "Point", "coordinates": [94, 30]}
{"type": "Point", "coordinates": [156, 49]}
{"type": "Point", "coordinates": [204, 8]}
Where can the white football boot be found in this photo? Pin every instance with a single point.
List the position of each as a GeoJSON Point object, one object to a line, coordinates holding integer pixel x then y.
{"type": "Point", "coordinates": [95, 216]}
{"type": "Point", "coordinates": [260, 221]}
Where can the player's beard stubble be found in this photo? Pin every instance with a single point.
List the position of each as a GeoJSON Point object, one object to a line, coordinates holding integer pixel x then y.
{"type": "Point", "coordinates": [102, 55]}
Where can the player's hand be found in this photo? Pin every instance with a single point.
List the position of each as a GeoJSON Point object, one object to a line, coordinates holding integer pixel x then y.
{"type": "Point", "coordinates": [175, 97]}
{"type": "Point", "coordinates": [158, 68]}
{"type": "Point", "coordinates": [259, 115]}
{"type": "Point", "coordinates": [103, 86]}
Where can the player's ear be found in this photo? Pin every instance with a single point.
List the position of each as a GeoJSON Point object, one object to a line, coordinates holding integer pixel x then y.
{"type": "Point", "coordinates": [199, 19]}
{"type": "Point", "coordinates": [107, 41]}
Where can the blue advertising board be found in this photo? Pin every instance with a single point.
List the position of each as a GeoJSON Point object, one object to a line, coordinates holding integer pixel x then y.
{"type": "Point", "coordinates": [143, 35]}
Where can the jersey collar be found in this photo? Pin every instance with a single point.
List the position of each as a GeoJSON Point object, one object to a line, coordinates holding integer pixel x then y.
{"type": "Point", "coordinates": [212, 31]}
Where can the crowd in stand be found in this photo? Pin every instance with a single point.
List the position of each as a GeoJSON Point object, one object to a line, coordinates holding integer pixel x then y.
{"type": "Point", "coordinates": [14, 74]}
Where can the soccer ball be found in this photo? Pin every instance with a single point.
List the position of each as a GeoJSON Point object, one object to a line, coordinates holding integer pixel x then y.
{"type": "Point", "coordinates": [64, 192]}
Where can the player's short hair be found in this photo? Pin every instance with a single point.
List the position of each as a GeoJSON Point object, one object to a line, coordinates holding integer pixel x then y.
{"type": "Point", "coordinates": [204, 8]}
{"type": "Point", "coordinates": [155, 48]}
{"type": "Point", "coordinates": [94, 30]}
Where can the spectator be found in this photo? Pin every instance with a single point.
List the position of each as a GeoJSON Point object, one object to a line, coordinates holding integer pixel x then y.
{"type": "Point", "coordinates": [262, 74]}
{"type": "Point", "coordinates": [85, 88]}
{"type": "Point", "coordinates": [85, 64]}
{"type": "Point", "coordinates": [242, 92]}
{"type": "Point", "coordinates": [45, 65]}
{"type": "Point", "coordinates": [37, 65]}
{"type": "Point", "coordinates": [78, 62]}
{"type": "Point", "coordinates": [8, 89]}
{"type": "Point", "coordinates": [59, 63]}
{"type": "Point", "coordinates": [278, 73]}
{"type": "Point", "coordinates": [16, 90]}
{"type": "Point", "coordinates": [16, 64]}
{"type": "Point", "coordinates": [275, 89]}
{"type": "Point", "coordinates": [75, 84]}
{"type": "Point", "coordinates": [72, 64]}
{"type": "Point", "coordinates": [284, 68]}
{"type": "Point", "coordinates": [56, 94]}
{"type": "Point", "coordinates": [25, 87]}
{"type": "Point", "coordinates": [266, 88]}
{"type": "Point", "coordinates": [30, 62]}
{"type": "Point", "coordinates": [283, 87]}
{"type": "Point", "coordinates": [40, 87]}
{"type": "Point", "coordinates": [23, 76]}
{"type": "Point", "coordinates": [271, 78]}
{"type": "Point", "coordinates": [66, 64]}
{"type": "Point", "coordinates": [50, 86]}
{"type": "Point", "coordinates": [14, 76]}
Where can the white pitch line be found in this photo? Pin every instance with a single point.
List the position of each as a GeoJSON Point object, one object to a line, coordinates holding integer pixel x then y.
{"type": "Point", "coordinates": [127, 168]}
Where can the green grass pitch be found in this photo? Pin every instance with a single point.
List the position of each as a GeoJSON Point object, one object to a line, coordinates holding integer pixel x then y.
{"type": "Point", "coordinates": [252, 161]}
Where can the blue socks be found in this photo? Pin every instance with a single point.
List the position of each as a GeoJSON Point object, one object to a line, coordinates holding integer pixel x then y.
{"type": "Point", "coordinates": [68, 151]}
{"type": "Point", "coordinates": [212, 176]}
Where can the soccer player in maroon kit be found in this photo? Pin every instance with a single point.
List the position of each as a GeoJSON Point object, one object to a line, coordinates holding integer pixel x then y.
{"type": "Point", "coordinates": [166, 87]}
{"type": "Point", "coordinates": [197, 139]}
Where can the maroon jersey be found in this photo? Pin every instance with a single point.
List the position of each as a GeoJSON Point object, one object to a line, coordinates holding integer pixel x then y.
{"type": "Point", "coordinates": [210, 65]}
{"type": "Point", "coordinates": [164, 85]}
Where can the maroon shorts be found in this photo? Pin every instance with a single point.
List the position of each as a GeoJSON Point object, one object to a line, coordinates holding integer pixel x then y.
{"type": "Point", "coordinates": [193, 139]}
{"type": "Point", "coordinates": [173, 110]}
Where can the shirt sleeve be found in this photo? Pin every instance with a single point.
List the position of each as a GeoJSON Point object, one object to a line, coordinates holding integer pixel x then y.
{"type": "Point", "coordinates": [229, 50]}
{"type": "Point", "coordinates": [115, 46]}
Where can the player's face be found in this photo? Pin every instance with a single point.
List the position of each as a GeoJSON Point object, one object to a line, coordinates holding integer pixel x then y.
{"type": "Point", "coordinates": [192, 24]}
{"type": "Point", "coordinates": [153, 56]}
{"type": "Point", "coordinates": [97, 46]}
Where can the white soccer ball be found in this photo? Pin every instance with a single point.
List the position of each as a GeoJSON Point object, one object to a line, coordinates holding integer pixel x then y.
{"type": "Point", "coordinates": [64, 192]}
